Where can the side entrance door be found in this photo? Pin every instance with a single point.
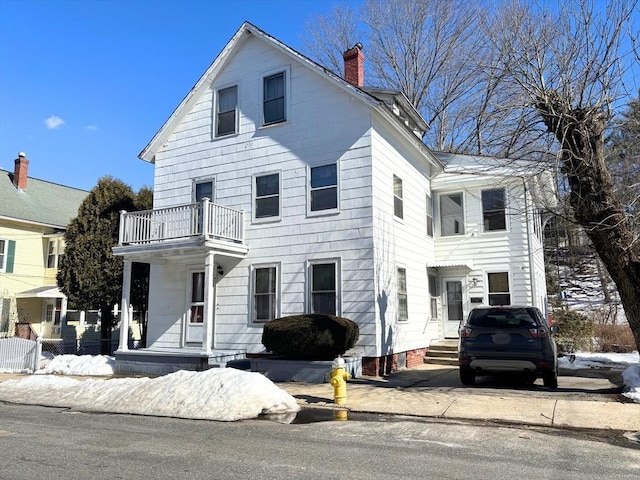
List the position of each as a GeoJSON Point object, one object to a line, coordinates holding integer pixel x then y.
{"type": "Point", "coordinates": [195, 307]}
{"type": "Point", "coordinates": [452, 305]}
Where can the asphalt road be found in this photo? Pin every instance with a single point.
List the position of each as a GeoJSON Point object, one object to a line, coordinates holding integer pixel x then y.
{"type": "Point", "coordinates": [39, 442]}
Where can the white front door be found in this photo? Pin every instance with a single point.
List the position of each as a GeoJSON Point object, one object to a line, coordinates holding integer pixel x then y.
{"type": "Point", "coordinates": [51, 311]}
{"type": "Point", "coordinates": [194, 324]}
{"type": "Point", "coordinates": [452, 305]}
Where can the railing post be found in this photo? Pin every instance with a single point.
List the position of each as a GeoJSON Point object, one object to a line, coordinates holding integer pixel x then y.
{"type": "Point", "coordinates": [37, 354]}
{"type": "Point", "coordinates": [121, 230]}
{"type": "Point", "coordinates": [206, 211]}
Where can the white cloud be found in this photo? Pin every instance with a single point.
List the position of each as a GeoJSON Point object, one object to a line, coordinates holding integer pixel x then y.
{"type": "Point", "coordinates": [91, 128]}
{"type": "Point", "coordinates": [53, 122]}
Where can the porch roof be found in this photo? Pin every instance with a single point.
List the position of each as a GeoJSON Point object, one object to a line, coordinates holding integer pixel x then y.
{"type": "Point", "coordinates": [49, 291]}
{"type": "Point", "coordinates": [468, 264]}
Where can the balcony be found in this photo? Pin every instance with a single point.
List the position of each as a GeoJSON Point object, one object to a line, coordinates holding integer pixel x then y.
{"type": "Point", "coordinates": [195, 222]}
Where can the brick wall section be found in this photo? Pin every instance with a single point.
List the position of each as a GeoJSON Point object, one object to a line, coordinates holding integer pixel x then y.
{"type": "Point", "coordinates": [380, 366]}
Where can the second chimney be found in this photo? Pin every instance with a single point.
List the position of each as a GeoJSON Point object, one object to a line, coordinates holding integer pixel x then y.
{"type": "Point", "coordinates": [20, 171]}
{"type": "Point", "coordinates": [354, 65]}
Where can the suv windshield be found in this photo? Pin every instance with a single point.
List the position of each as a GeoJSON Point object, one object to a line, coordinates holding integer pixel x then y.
{"type": "Point", "coordinates": [502, 318]}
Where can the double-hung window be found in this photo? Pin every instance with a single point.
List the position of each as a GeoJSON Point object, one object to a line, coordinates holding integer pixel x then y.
{"type": "Point", "coordinates": [429, 207]}
{"type": "Point", "coordinates": [226, 112]}
{"type": "Point", "coordinates": [499, 288]}
{"type": "Point", "coordinates": [267, 196]}
{"type": "Point", "coordinates": [403, 306]}
{"type": "Point", "coordinates": [55, 250]}
{"type": "Point", "coordinates": [433, 293]}
{"type": "Point", "coordinates": [323, 188]}
{"type": "Point", "coordinates": [265, 293]}
{"type": "Point", "coordinates": [274, 98]}
{"type": "Point", "coordinates": [324, 287]}
{"type": "Point", "coordinates": [493, 210]}
{"type": "Point", "coordinates": [398, 208]}
{"type": "Point", "coordinates": [451, 214]}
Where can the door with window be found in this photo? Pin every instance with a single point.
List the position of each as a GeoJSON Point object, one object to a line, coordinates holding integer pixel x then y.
{"type": "Point", "coordinates": [452, 305]}
{"type": "Point", "coordinates": [195, 311]}
{"type": "Point", "coordinates": [51, 318]}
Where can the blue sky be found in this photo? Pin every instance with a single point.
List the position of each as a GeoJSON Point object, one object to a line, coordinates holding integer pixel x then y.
{"type": "Point", "coordinates": [86, 84]}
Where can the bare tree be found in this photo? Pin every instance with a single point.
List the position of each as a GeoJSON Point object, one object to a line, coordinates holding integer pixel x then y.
{"type": "Point", "coordinates": [570, 63]}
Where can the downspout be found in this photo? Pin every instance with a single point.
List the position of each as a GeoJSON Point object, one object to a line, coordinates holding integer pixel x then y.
{"type": "Point", "coordinates": [529, 250]}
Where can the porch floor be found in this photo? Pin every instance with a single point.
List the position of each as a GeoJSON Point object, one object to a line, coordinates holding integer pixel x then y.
{"type": "Point", "coordinates": [160, 361]}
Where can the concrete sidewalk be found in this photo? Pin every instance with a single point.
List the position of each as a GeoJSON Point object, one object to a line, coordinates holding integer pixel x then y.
{"type": "Point", "coordinates": [434, 391]}
{"type": "Point", "coordinates": [404, 393]}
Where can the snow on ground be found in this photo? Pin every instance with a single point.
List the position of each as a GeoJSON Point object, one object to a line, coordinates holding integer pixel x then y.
{"type": "Point", "coordinates": [224, 394]}
{"type": "Point", "coordinates": [628, 363]}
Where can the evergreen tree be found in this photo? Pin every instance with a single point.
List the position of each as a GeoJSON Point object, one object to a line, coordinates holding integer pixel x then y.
{"type": "Point", "coordinates": [89, 274]}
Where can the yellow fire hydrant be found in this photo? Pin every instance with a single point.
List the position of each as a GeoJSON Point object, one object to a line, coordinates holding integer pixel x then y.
{"type": "Point", "coordinates": [339, 377]}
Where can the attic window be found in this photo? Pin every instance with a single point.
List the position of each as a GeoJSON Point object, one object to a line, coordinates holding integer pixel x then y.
{"type": "Point", "coordinates": [226, 111]}
{"type": "Point", "coordinates": [274, 98]}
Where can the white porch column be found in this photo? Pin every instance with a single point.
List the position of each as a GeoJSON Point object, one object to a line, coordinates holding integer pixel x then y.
{"type": "Point", "coordinates": [209, 302]}
{"type": "Point", "coordinates": [124, 311]}
{"type": "Point", "coordinates": [63, 313]}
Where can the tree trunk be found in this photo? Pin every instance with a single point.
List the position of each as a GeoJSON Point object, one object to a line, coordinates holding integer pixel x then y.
{"type": "Point", "coordinates": [106, 322]}
{"type": "Point", "coordinates": [596, 209]}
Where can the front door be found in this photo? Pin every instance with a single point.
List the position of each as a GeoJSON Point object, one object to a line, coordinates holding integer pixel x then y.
{"type": "Point", "coordinates": [453, 306]}
{"type": "Point", "coordinates": [195, 311]}
{"type": "Point", "coordinates": [52, 308]}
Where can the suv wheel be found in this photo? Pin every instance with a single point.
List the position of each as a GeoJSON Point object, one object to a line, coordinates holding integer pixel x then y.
{"type": "Point", "coordinates": [550, 379]}
{"type": "Point", "coordinates": [467, 376]}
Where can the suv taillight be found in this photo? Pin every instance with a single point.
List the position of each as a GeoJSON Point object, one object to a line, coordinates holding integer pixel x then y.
{"type": "Point", "coordinates": [466, 332]}
{"type": "Point", "coordinates": [538, 332]}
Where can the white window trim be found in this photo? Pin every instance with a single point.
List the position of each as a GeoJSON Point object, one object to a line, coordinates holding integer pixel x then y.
{"type": "Point", "coordinates": [506, 211]}
{"type": "Point", "coordinates": [428, 198]}
{"type": "Point", "coordinates": [486, 282]}
{"type": "Point", "coordinates": [214, 124]}
{"type": "Point", "coordinates": [57, 241]}
{"type": "Point", "coordinates": [464, 214]}
{"type": "Point", "coordinates": [287, 95]}
{"type": "Point", "coordinates": [393, 190]}
{"type": "Point", "coordinates": [188, 304]}
{"type": "Point", "coordinates": [196, 181]}
{"type": "Point", "coordinates": [252, 293]}
{"type": "Point", "coordinates": [338, 266]}
{"type": "Point", "coordinates": [406, 292]}
{"type": "Point", "coordinates": [253, 198]}
{"type": "Point", "coordinates": [331, 211]}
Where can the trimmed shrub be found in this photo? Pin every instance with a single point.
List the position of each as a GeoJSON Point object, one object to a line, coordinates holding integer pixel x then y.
{"type": "Point", "coordinates": [310, 337]}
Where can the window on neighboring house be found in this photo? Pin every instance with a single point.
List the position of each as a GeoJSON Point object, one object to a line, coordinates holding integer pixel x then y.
{"type": "Point", "coordinates": [323, 191]}
{"type": "Point", "coordinates": [451, 214]}
{"type": "Point", "coordinates": [403, 307]}
{"type": "Point", "coordinates": [398, 209]}
{"type": "Point", "coordinates": [196, 310]}
{"type": "Point", "coordinates": [267, 196]}
{"type": "Point", "coordinates": [55, 250]}
{"type": "Point", "coordinates": [226, 116]}
{"type": "Point", "coordinates": [265, 293]}
{"type": "Point", "coordinates": [7, 255]}
{"type": "Point", "coordinates": [433, 293]}
{"type": "Point", "coordinates": [499, 288]}
{"type": "Point", "coordinates": [274, 98]}
{"type": "Point", "coordinates": [429, 204]}
{"type": "Point", "coordinates": [324, 288]}
{"type": "Point", "coordinates": [493, 209]}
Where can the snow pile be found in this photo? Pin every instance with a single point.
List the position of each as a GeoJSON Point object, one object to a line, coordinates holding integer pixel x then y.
{"type": "Point", "coordinates": [78, 365]}
{"type": "Point", "coordinates": [631, 377]}
{"type": "Point", "coordinates": [223, 394]}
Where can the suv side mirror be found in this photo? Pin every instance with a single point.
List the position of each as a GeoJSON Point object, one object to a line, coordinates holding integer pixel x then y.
{"type": "Point", "coordinates": [555, 329]}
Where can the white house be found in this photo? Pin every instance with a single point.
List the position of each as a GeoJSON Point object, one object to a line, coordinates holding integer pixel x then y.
{"type": "Point", "coordinates": [281, 188]}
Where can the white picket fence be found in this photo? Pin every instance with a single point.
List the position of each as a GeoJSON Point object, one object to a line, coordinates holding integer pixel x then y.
{"type": "Point", "coordinates": [19, 354]}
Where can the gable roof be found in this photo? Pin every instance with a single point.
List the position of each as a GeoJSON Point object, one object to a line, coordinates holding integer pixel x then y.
{"type": "Point", "coordinates": [239, 38]}
{"type": "Point", "coordinates": [43, 203]}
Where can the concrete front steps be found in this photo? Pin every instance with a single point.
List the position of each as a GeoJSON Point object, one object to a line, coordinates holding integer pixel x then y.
{"type": "Point", "coordinates": [443, 352]}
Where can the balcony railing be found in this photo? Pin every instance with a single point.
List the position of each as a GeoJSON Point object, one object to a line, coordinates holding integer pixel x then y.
{"type": "Point", "coordinates": [181, 222]}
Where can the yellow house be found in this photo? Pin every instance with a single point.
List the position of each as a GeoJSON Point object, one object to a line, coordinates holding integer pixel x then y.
{"type": "Point", "coordinates": [33, 217]}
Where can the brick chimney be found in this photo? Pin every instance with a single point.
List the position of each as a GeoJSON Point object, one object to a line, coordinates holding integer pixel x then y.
{"type": "Point", "coordinates": [20, 171]}
{"type": "Point", "coordinates": [354, 65]}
